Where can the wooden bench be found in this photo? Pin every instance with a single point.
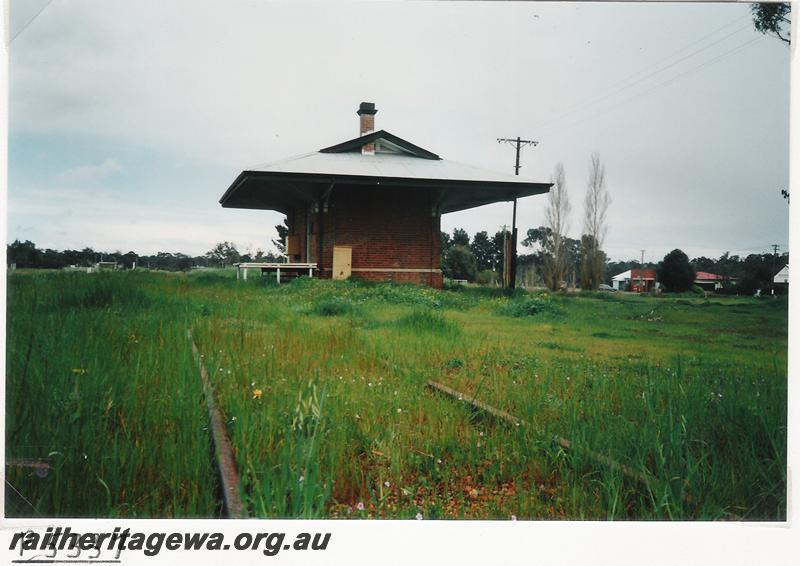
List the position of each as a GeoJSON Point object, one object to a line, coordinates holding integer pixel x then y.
{"type": "Point", "coordinates": [282, 270]}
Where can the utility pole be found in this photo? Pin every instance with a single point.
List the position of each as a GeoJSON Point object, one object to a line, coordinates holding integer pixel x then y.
{"type": "Point", "coordinates": [641, 272]}
{"type": "Point", "coordinates": [511, 276]}
{"type": "Point", "coordinates": [774, 258]}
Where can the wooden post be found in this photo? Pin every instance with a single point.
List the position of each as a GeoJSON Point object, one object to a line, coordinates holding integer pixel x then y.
{"type": "Point", "coordinates": [278, 274]}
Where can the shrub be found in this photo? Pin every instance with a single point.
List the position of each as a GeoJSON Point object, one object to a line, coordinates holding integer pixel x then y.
{"type": "Point", "coordinates": [459, 263]}
{"type": "Point", "coordinates": [530, 305]}
{"type": "Point", "coordinates": [486, 277]}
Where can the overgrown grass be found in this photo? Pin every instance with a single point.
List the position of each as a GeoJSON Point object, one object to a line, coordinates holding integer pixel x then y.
{"type": "Point", "coordinates": [100, 384]}
{"type": "Point", "coordinates": [428, 322]}
{"type": "Point", "coordinates": [323, 387]}
{"type": "Point", "coordinates": [334, 306]}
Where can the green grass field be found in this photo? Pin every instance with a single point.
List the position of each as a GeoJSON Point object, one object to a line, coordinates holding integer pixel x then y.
{"type": "Point", "coordinates": [323, 387]}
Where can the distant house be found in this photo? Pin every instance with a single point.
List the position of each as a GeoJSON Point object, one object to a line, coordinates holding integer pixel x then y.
{"type": "Point", "coordinates": [782, 277]}
{"type": "Point", "coordinates": [709, 281]}
{"type": "Point", "coordinates": [371, 206]}
{"type": "Point", "coordinates": [636, 280]}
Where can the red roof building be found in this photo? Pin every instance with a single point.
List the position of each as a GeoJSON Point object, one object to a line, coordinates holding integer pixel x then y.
{"type": "Point", "coordinates": [705, 276]}
{"type": "Point", "coordinates": [637, 280]}
{"type": "Point", "coordinates": [710, 281]}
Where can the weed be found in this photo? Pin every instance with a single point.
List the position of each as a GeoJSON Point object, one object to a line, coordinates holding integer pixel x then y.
{"type": "Point", "coordinates": [530, 305]}
{"type": "Point", "coordinates": [329, 412]}
{"type": "Point", "coordinates": [427, 321]}
{"type": "Point", "coordinates": [333, 306]}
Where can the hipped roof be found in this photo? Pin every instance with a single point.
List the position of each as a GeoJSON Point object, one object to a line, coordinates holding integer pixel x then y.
{"type": "Point", "coordinates": [304, 179]}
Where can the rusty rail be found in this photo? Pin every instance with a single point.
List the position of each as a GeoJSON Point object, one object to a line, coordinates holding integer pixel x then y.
{"type": "Point", "coordinates": [497, 413]}
{"type": "Point", "coordinates": [40, 466]}
{"type": "Point", "coordinates": [223, 451]}
{"type": "Point", "coordinates": [648, 480]}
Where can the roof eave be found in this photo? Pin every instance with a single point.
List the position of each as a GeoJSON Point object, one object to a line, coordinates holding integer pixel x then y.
{"type": "Point", "coordinates": [236, 182]}
{"type": "Point", "coordinates": [540, 188]}
{"type": "Point", "coordinates": [500, 191]}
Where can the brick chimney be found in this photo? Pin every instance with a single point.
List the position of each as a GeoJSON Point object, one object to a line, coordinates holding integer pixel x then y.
{"type": "Point", "coordinates": [366, 113]}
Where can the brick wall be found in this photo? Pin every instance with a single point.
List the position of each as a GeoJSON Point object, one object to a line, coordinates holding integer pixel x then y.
{"type": "Point", "coordinates": [296, 221]}
{"type": "Point", "coordinates": [366, 124]}
{"type": "Point", "coordinates": [390, 229]}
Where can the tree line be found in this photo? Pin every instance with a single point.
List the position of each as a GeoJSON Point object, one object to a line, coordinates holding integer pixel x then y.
{"type": "Point", "coordinates": [479, 259]}
{"type": "Point", "coordinates": [476, 259]}
{"type": "Point", "coordinates": [25, 254]}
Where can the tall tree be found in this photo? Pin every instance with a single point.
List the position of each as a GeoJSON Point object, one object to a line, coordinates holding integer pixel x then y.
{"type": "Point", "coordinates": [482, 249]}
{"type": "Point", "coordinates": [460, 237]}
{"type": "Point", "coordinates": [704, 264]}
{"type": "Point", "coordinates": [675, 272]}
{"type": "Point", "coordinates": [446, 242]}
{"type": "Point", "coordinates": [129, 259]}
{"type": "Point", "coordinates": [557, 217]}
{"type": "Point", "coordinates": [773, 19]}
{"type": "Point", "coordinates": [280, 243]}
{"type": "Point", "coordinates": [538, 240]}
{"type": "Point", "coordinates": [224, 253]}
{"type": "Point", "coordinates": [23, 254]}
{"type": "Point", "coordinates": [594, 225]}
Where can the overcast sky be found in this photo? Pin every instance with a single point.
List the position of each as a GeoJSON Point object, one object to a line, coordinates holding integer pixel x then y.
{"type": "Point", "coordinates": [128, 120]}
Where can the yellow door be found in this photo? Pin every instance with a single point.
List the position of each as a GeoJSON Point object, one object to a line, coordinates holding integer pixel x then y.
{"type": "Point", "coordinates": [342, 261]}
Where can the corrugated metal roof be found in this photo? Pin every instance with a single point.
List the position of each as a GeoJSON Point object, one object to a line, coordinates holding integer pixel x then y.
{"type": "Point", "coordinates": [704, 275]}
{"type": "Point", "coordinates": [385, 165]}
{"type": "Point", "coordinates": [301, 180]}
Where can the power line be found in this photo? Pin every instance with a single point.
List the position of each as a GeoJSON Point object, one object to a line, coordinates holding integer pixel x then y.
{"type": "Point", "coordinates": [721, 57]}
{"type": "Point", "coordinates": [626, 101]}
{"type": "Point", "coordinates": [29, 22]}
{"type": "Point", "coordinates": [658, 66]}
{"type": "Point", "coordinates": [750, 249]}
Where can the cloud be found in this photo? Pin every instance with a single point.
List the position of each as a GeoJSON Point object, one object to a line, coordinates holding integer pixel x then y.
{"type": "Point", "coordinates": [219, 89]}
{"type": "Point", "coordinates": [63, 218]}
{"type": "Point", "coordinates": [91, 173]}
